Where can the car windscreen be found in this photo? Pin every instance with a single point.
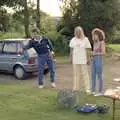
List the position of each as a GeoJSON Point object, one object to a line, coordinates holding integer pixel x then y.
{"type": "Point", "coordinates": [31, 51]}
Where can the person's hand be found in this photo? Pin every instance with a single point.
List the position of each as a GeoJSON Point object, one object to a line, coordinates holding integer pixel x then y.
{"type": "Point", "coordinates": [88, 62]}
{"type": "Point", "coordinates": [52, 54]}
{"type": "Point", "coordinates": [93, 53]}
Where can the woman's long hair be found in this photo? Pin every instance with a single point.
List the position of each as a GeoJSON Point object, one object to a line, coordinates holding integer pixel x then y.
{"type": "Point", "coordinates": [79, 33]}
{"type": "Point", "coordinates": [100, 34]}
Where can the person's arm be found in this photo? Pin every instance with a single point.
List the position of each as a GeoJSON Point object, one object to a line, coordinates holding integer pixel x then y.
{"type": "Point", "coordinates": [71, 54]}
{"type": "Point", "coordinates": [52, 54]}
{"type": "Point", "coordinates": [93, 34]}
{"type": "Point", "coordinates": [29, 45]}
{"type": "Point", "coordinates": [88, 55]}
{"type": "Point", "coordinates": [88, 47]}
{"type": "Point", "coordinates": [50, 45]}
{"type": "Point", "coordinates": [71, 45]}
{"type": "Point", "coordinates": [103, 48]}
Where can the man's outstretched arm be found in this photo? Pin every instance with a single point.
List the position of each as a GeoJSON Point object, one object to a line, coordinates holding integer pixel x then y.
{"type": "Point", "coordinates": [29, 45]}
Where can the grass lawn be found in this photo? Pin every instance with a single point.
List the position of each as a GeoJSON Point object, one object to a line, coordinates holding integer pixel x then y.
{"type": "Point", "coordinates": [115, 47]}
{"type": "Point", "coordinates": [22, 101]}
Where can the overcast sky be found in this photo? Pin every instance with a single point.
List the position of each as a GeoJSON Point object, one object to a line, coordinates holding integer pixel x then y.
{"type": "Point", "coordinates": [49, 6]}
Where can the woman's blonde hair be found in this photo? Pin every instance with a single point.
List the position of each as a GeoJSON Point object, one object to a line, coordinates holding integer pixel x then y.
{"type": "Point", "coordinates": [79, 33]}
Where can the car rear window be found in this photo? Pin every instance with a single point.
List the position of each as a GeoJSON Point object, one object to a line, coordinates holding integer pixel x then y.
{"type": "Point", "coordinates": [31, 51]}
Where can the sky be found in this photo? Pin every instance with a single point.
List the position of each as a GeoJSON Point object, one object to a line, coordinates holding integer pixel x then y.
{"type": "Point", "coordinates": [51, 7]}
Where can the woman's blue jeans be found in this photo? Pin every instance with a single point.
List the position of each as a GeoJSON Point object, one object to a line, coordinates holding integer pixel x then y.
{"type": "Point", "coordinates": [42, 61]}
{"type": "Point", "coordinates": [97, 72]}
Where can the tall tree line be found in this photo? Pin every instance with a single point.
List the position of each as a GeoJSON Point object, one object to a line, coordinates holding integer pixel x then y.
{"type": "Point", "coordinates": [23, 4]}
{"type": "Point", "coordinates": [89, 14]}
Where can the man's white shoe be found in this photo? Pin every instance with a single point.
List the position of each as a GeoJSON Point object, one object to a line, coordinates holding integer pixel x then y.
{"type": "Point", "coordinates": [99, 94]}
{"type": "Point", "coordinates": [93, 93]}
{"type": "Point", "coordinates": [41, 86]}
{"type": "Point", "coordinates": [53, 85]}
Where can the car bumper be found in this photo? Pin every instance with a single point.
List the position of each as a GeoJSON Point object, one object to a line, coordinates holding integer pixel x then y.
{"type": "Point", "coordinates": [30, 68]}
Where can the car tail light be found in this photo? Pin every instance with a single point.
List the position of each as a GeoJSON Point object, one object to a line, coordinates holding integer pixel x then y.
{"type": "Point", "coordinates": [31, 61]}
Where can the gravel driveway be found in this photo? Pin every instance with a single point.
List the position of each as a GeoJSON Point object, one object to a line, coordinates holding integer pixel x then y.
{"type": "Point", "coordinates": [64, 75]}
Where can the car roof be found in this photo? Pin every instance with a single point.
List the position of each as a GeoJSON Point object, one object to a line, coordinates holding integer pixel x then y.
{"type": "Point", "coordinates": [15, 39]}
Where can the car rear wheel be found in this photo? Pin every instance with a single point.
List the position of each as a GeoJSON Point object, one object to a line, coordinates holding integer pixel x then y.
{"type": "Point", "coordinates": [20, 73]}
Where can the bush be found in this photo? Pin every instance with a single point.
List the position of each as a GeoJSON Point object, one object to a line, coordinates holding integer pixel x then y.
{"type": "Point", "coordinates": [67, 98]}
{"type": "Point", "coordinates": [117, 41]}
{"type": "Point", "coordinates": [61, 45]}
{"type": "Point", "coordinates": [52, 35]}
{"type": "Point", "coordinates": [11, 35]}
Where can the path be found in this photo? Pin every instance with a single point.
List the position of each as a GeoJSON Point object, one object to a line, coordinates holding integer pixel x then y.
{"type": "Point", "coordinates": [64, 75]}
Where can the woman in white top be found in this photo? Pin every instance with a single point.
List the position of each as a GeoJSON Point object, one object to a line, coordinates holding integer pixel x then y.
{"type": "Point", "coordinates": [79, 58]}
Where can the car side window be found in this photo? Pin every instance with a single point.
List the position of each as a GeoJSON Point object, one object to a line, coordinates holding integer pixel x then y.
{"type": "Point", "coordinates": [19, 48]}
{"type": "Point", "coordinates": [1, 46]}
{"type": "Point", "coordinates": [10, 47]}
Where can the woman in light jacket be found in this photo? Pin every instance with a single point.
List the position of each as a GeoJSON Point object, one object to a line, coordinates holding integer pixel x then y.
{"type": "Point", "coordinates": [79, 45]}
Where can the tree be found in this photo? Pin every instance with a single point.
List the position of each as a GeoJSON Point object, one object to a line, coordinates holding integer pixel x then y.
{"type": "Point", "coordinates": [38, 15]}
{"type": "Point", "coordinates": [26, 18]}
{"type": "Point", "coordinates": [69, 20]}
{"type": "Point", "coordinates": [103, 14]}
{"type": "Point", "coordinates": [89, 14]}
{"type": "Point", "coordinates": [4, 20]}
{"type": "Point", "coordinates": [23, 4]}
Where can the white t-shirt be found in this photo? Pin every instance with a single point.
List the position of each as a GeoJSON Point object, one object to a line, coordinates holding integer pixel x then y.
{"type": "Point", "coordinates": [79, 50]}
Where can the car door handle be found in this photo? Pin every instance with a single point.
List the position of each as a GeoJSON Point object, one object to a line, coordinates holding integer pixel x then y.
{"type": "Point", "coordinates": [13, 57]}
